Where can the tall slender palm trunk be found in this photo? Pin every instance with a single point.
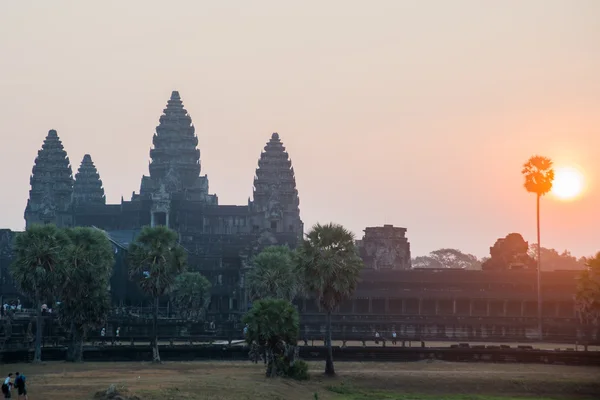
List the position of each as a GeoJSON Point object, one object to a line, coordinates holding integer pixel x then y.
{"type": "Point", "coordinates": [329, 370]}
{"type": "Point", "coordinates": [155, 353]}
{"type": "Point", "coordinates": [37, 356]}
{"type": "Point", "coordinates": [539, 272]}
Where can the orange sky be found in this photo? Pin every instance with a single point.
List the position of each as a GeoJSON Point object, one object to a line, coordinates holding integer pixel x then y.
{"type": "Point", "coordinates": [414, 113]}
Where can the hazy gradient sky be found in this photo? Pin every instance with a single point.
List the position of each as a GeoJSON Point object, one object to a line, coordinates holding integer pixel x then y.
{"type": "Point", "coordinates": [412, 113]}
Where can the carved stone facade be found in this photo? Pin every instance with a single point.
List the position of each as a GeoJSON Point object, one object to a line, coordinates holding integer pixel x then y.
{"type": "Point", "coordinates": [385, 247]}
{"type": "Point", "coordinates": [219, 238]}
{"type": "Point", "coordinates": [51, 184]}
{"type": "Point", "coordinates": [87, 188]}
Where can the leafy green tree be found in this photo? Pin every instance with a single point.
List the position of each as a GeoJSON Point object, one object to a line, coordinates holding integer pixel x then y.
{"type": "Point", "coordinates": [587, 297]}
{"type": "Point", "coordinates": [447, 258]}
{"type": "Point", "coordinates": [84, 293]}
{"type": "Point", "coordinates": [155, 260]}
{"type": "Point", "coordinates": [509, 252]}
{"type": "Point", "coordinates": [553, 260]}
{"type": "Point", "coordinates": [40, 259]}
{"type": "Point", "coordinates": [273, 325]}
{"type": "Point", "coordinates": [274, 275]}
{"type": "Point", "coordinates": [330, 267]}
{"type": "Point", "coordinates": [539, 175]}
{"type": "Point", "coordinates": [190, 295]}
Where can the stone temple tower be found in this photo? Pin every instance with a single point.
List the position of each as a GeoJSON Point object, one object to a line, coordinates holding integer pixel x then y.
{"type": "Point", "coordinates": [175, 158]}
{"type": "Point", "coordinates": [275, 205]}
{"type": "Point", "coordinates": [51, 185]}
{"type": "Point", "coordinates": [87, 189]}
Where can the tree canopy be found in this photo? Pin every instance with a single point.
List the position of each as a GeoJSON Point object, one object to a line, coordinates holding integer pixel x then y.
{"type": "Point", "coordinates": [273, 325]}
{"type": "Point", "coordinates": [84, 292]}
{"type": "Point", "coordinates": [190, 295]}
{"type": "Point", "coordinates": [553, 260]}
{"type": "Point", "coordinates": [509, 252]}
{"type": "Point", "coordinates": [330, 267]}
{"type": "Point", "coordinates": [447, 258]}
{"type": "Point", "coordinates": [539, 175]}
{"type": "Point", "coordinates": [587, 297]}
{"type": "Point", "coordinates": [274, 275]}
{"type": "Point", "coordinates": [155, 260]}
{"type": "Point", "coordinates": [39, 268]}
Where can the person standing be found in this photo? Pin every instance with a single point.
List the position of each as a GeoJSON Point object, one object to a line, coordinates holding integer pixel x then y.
{"type": "Point", "coordinates": [102, 335]}
{"type": "Point", "coordinates": [6, 386]}
{"type": "Point", "coordinates": [393, 337]}
{"type": "Point", "coordinates": [20, 386]}
{"type": "Point", "coordinates": [118, 332]}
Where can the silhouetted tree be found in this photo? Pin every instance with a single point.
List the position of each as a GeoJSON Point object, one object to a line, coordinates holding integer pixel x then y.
{"type": "Point", "coordinates": [84, 291]}
{"type": "Point", "coordinates": [155, 260]}
{"type": "Point", "coordinates": [508, 253]}
{"type": "Point", "coordinates": [40, 260]}
{"type": "Point", "coordinates": [330, 268]}
{"type": "Point", "coordinates": [553, 260]}
{"type": "Point", "coordinates": [587, 298]}
{"type": "Point", "coordinates": [539, 176]}
{"type": "Point", "coordinates": [273, 326]}
{"type": "Point", "coordinates": [190, 295]}
{"type": "Point", "coordinates": [274, 274]}
{"type": "Point", "coordinates": [447, 258]}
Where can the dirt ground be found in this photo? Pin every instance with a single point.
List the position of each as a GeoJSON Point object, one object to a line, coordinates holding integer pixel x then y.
{"type": "Point", "coordinates": [368, 381]}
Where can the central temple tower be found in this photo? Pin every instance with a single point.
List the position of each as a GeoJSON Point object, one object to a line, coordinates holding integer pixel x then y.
{"type": "Point", "coordinates": [175, 159]}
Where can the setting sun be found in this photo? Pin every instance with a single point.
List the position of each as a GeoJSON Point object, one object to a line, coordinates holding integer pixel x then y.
{"type": "Point", "coordinates": [568, 183]}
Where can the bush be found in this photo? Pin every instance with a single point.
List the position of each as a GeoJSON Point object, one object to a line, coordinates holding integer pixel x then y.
{"type": "Point", "coordinates": [299, 371]}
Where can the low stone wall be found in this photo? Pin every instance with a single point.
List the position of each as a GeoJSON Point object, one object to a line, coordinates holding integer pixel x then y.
{"type": "Point", "coordinates": [380, 354]}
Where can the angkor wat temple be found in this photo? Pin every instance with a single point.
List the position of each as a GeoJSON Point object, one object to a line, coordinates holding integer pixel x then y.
{"type": "Point", "coordinates": [221, 239]}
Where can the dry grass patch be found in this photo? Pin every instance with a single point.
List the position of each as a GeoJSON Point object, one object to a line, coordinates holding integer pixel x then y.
{"type": "Point", "coordinates": [356, 381]}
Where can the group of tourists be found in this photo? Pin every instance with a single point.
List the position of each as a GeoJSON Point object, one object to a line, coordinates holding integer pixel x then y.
{"type": "Point", "coordinates": [19, 384]}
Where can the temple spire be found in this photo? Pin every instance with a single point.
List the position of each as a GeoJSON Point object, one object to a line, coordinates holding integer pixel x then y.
{"type": "Point", "coordinates": [175, 155]}
{"type": "Point", "coordinates": [175, 158]}
{"type": "Point", "coordinates": [87, 189]}
{"type": "Point", "coordinates": [51, 182]}
{"type": "Point", "coordinates": [275, 197]}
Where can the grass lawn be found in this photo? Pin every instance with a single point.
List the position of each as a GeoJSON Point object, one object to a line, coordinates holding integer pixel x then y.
{"type": "Point", "coordinates": [355, 381]}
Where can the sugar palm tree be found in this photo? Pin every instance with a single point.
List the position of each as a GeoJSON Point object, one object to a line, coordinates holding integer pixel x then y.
{"type": "Point", "coordinates": [330, 267]}
{"type": "Point", "coordinates": [84, 293]}
{"type": "Point", "coordinates": [274, 275]}
{"type": "Point", "coordinates": [155, 260]}
{"type": "Point", "coordinates": [539, 176]}
{"type": "Point", "coordinates": [40, 260]}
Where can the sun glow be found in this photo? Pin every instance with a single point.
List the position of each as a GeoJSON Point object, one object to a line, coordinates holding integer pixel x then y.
{"type": "Point", "coordinates": [568, 183]}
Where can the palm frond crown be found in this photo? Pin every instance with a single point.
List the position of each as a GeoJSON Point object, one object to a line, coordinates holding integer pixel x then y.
{"type": "Point", "coordinates": [539, 175]}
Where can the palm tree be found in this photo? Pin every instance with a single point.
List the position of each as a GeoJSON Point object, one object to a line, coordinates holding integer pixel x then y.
{"type": "Point", "coordinates": [40, 260]}
{"type": "Point", "coordinates": [330, 267]}
{"type": "Point", "coordinates": [84, 293]}
{"type": "Point", "coordinates": [539, 176]}
{"type": "Point", "coordinates": [273, 275]}
{"type": "Point", "coordinates": [155, 260]}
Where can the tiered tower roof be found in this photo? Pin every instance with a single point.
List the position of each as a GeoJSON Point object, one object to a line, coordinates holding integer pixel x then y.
{"type": "Point", "coordinates": [175, 156]}
{"type": "Point", "coordinates": [87, 188]}
{"type": "Point", "coordinates": [275, 175]}
{"type": "Point", "coordinates": [52, 178]}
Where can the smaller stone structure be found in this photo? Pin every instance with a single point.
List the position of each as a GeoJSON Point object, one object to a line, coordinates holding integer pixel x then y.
{"type": "Point", "coordinates": [385, 247]}
{"type": "Point", "coordinates": [87, 188]}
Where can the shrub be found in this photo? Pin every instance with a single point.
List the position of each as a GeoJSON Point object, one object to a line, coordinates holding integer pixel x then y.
{"type": "Point", "coordinates": [299, 371]}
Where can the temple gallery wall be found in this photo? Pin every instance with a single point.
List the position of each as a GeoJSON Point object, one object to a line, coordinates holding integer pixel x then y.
{"type": "Point", "coordinates": [221, 239]}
